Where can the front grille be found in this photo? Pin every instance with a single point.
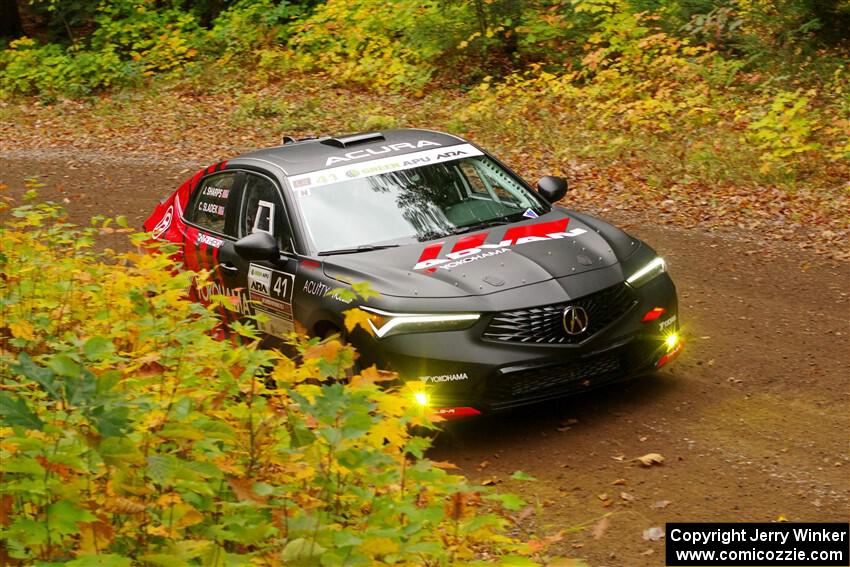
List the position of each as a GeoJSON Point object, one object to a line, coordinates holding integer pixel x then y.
{"type": "Point", "coordinates": [564, 378]}
{"type": "Point", "coordinates": [520, 387]}
{"type": "Point", "coordinates": [544, 325]}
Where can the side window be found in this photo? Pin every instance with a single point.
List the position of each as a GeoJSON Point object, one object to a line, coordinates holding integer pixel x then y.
{"type": "Point", "coordinates": [210, 203]}
{"type": "Point", "coordinates": [262, 211]}
{"type": "Point", "coordinates": [495, 181]}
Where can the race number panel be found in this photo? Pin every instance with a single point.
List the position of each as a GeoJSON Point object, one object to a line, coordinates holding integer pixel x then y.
{"type": "Point", "coordinates": [271, 294]}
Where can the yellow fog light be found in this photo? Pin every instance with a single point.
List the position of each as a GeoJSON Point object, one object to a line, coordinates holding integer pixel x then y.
{"type": "Point", "coordinates": [421, 399]}
{"type": "Point", "coordinates": [671, 341]}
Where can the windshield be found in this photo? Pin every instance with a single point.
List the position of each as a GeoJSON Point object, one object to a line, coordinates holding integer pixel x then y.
{"type": "Point", "coordinates": [416, 203]}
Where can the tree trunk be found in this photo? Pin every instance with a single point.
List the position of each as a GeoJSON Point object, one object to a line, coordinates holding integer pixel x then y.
{"type": "Point", "coordinates": [510, 10]}
{"type": "Point", "coordinates": [10, 21]}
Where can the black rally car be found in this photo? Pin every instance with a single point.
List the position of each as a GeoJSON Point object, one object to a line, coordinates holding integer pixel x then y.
{"type": "Point", "coordinates": [490, 293]}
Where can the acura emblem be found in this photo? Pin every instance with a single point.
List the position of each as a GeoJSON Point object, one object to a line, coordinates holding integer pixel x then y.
{"type": "Point", "coordinates": [575, 320]}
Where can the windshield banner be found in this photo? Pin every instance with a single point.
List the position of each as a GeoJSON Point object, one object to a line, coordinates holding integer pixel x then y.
{"type": "Point", "coordinates": [305, 182]}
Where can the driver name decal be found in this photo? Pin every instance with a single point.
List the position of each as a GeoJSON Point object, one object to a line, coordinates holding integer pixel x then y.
{"type": "Point", "coordinates": [471, 248]}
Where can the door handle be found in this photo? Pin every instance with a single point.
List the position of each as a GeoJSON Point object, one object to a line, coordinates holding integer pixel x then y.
{"type": "Point", "coordinates": [228, 268]}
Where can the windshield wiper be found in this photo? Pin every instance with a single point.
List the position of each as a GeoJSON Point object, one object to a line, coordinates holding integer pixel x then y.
{"type": "Point", "coordinates": [484, 224]}
{"type": "Point", "coordinates": [363, 248]}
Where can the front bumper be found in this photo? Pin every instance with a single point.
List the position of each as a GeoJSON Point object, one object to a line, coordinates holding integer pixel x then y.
{"type": "Point", "coordinates": [470, 369]}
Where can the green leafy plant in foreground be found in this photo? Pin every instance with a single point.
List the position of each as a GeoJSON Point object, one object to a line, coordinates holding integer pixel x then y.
{"type": "Point", "coordinates": [131, 436]}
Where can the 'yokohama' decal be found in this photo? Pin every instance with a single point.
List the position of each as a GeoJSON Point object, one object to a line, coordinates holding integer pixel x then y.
{"type": "Point", "coordinates": [473, 247]}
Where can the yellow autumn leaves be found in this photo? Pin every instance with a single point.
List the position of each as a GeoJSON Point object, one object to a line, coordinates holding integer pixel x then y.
{"type": "Point", "coordinates": [137, 436]}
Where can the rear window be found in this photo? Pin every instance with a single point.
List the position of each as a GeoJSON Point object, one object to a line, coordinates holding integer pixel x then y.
{"type": "Point", "coordinates": [210, 207]}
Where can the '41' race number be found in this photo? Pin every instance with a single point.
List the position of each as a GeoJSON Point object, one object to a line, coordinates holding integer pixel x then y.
{"type": "Point", "coordinates": [282, 286]}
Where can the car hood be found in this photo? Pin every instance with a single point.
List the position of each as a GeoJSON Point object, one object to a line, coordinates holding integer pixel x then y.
{"type": "Point", "coordinates": [480, 262]}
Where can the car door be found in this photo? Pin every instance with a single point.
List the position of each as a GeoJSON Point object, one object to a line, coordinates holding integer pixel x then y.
{"type": "Point", "coordinates": [269, 284]}
{"type": "Point", "coordinates": [211, 226]}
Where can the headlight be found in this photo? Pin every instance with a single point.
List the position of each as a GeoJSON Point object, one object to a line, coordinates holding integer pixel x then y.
{"type": "Point", "coordinates": [384, 323]}
{"type": "Point", "coordinates": [421, 399]}
{"type": "Point", "coordinates": [656, 267]}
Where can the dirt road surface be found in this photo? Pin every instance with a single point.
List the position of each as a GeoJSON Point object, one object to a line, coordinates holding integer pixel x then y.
{"type": "Point", "coordinates": [752, 420]}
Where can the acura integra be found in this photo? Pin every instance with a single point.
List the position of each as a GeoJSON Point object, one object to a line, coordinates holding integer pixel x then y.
{"type": "Point", "coordinates": [490, 293]}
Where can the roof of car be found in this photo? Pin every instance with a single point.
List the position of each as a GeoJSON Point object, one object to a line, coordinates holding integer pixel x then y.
{"type": "Point", "coordinates": [305, 156]}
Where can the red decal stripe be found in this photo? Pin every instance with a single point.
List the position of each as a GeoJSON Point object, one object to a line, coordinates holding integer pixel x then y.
{"type": "Point", "coordinates": [215, 258]}
{"type": "Point", "coordinates": [471, 241]}
{"type": "Point", "coordinates": [208, 257]}
{"type": "Point", "coordinates": [312, 264]}
{"type": "Point", "coordinates": [203, 256]}
{"type": "Point", "coordinates": [193, 183]}
{"type": "Point", "coordinates": [431, 251]}
{"type": "Point", "coordinates": [538, 229]}
{"type": "Point", "coordinates": [456, 413]}
{"type": "Point", "coordinates": [190, 248]}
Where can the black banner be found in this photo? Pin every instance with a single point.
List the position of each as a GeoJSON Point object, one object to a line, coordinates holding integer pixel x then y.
{"type": "Point", "coordinates": [757, 544]}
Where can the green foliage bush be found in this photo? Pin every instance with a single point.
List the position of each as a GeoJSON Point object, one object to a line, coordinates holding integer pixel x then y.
{"type": "Point", "coordinates": [130, 435]}
{"type": "Point", "coordinates": [29, 68]}
{"type": "Point", "coordinates": [160, 40]}
{"type": "Point", "coordinates": [369, 41]}
{"type": "Point", "coordinates": [404, 45]}
{"type": "Point", "coordinates": [251, 25]}
{"type": "Point", "coordinates": [136, 39]}
{"type": "Point", "coordinates": [642, 95]}
{"type": "Point", "coordinates": [131, 40]}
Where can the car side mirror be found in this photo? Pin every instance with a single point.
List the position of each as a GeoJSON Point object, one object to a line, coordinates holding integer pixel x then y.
{"type": "Point", "coordinates": [552, 188]}
{"type": "Point", "coordinates": [257, 246]}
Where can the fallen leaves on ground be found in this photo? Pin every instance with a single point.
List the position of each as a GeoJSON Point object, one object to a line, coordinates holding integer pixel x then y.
{"type": "Point", "coordinates": [600, 527]}
{"type": "Point", "coordinates": [651, 459]}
